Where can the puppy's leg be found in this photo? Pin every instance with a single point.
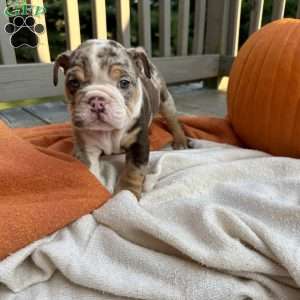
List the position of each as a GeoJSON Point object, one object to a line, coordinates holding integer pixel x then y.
{"type": "Point", "coordinates": [81, 154]}
{"type": "Point", "coordinates": [137, 157]}
{"type": "Point", "coordinates": [89, 157]}
{"type": "Point", "coordinates": [168, 111]}
{"type": "Point", "coordinates": [94, 162]}
{"type": "Point", "coordinates": [132, 179]}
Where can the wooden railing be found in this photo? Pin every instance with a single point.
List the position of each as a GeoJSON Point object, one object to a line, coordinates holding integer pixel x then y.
{"type": "Point", "coordinates": [215, 41]}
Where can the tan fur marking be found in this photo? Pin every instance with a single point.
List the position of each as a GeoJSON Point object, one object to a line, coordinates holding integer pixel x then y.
{"type": "Point", "coordinates": [132, 179]}
{"type": "Point", "coordinates": [116, 72]}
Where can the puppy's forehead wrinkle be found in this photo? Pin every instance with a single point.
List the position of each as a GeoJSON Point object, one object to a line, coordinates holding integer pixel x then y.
{"type": "Point", "coordinates": [107, 51]}
{"type": "Point", "coordinates": [108, 61]}
{"type": "Point", "coordinates": [95, 60]}
{"type": "Point", "coordinates": [80, 54]}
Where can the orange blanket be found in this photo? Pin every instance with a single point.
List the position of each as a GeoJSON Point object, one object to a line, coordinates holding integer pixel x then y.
{"type": "Point", "coordinates": [43, 188]}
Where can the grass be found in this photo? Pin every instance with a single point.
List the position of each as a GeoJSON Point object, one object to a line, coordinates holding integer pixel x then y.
{"type": "Point", "coordinates": [27, 102]}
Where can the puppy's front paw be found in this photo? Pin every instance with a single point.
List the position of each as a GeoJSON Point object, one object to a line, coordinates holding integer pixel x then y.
{"type": "Point", "coordinates": [180, 142]}
{"type": "Point", "coordinates": [190, 144]}
{"type": "Point", "coordinates": [132, 179]}
{"type": "Point", "coordinates": [136, 190]}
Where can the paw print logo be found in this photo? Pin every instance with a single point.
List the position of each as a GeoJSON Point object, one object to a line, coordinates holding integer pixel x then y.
{"type": "Point", "coordinates": [24, 32]}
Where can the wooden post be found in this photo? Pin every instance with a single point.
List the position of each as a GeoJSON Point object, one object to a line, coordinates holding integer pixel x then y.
{"type": "Point", "coordinates": [199, 26]}
{"type": "Point", "coordinates": [183, 27]}
{"type": "Point", "coordinates": [145, 25]}
{"type": "Point", "coordinates": [298, 10]}
{"type": "Point", "coordinates": [256, 15]}
{"type": "Point", "coordinates": [123, 22]}
{"type": "Point", "coordinates": [7, 52]}
{"type": "Point", "coordinates": [213, 34]}
{"type": "Point", "coordinates": [43, 52]}
{"type": "Point", "coordinates": [72, 24]}
{"type": "Point", "coordinates": [225, 27]}
{"type": "Point", "coordinates": [99, 19]}
{"type": "Point", "coordinates": [165, 27]}
{"type": "Point", "coordinates": [234, 27]}
{"type": "Point", "coordinates": [278, 9]}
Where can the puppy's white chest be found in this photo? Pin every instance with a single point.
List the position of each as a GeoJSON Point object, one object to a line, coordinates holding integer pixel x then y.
{"type": "Point", "coordinates": [106, 142]}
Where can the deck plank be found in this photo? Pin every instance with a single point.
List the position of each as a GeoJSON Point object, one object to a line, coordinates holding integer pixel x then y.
{"type": "Point", "coordinates": [17, 117]}
{"type": "Point", "coordinates": [51, 112]}
{"type": "Point", "coordinates": [201, 102]}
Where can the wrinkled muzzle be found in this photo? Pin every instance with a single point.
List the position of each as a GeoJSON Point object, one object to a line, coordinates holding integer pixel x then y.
{"type": "Point", "coordinates": [100, 107]}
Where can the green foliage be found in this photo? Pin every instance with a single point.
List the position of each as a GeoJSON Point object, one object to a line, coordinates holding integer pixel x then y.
{"type": "Point", "coordinates": [290, 12]}
{"type": "Point", "coordinates": [57, 36]}
{"type": "Point", "coordinates": [27, 102]}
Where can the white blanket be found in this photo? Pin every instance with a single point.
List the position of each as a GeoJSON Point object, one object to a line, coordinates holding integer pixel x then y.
{"type": "Point", "coordinates": [220, 223]}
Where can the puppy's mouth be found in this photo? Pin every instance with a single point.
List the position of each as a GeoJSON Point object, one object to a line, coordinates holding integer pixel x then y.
{"type": "Point", "coordinates": [101, 109]}
{"type": "Point", "coordinates": [94, 121]}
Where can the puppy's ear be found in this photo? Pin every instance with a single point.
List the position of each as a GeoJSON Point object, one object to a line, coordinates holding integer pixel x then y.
{"type": "Point", "coordinates": [141, 60]}
{"type": "Point", "coordinates": [63, 61]}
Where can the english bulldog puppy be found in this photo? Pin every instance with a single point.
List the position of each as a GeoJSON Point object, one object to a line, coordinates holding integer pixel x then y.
{"type": "Point", "coordinates": [112, 94]}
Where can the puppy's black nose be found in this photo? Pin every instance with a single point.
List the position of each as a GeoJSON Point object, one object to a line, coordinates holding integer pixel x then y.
{"type": "Point", "coordinates": [97, 104]}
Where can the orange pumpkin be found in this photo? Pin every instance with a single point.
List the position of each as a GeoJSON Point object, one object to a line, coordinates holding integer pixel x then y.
{"type": "Point", "coordinates": [264, 90]}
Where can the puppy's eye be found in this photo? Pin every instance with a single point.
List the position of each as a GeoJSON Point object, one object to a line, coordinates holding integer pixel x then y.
{"type": "Point", "coordinates": [74, 83]}
{"type": "Point", "coordinates": [124, 84]}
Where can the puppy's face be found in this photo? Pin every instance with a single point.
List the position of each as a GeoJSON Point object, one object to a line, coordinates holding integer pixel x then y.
{"type": "Point", "coordinates": [102, 84]}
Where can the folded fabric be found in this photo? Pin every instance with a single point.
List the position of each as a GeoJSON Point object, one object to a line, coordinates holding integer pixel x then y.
{"type": "Point", "coordinates": [220, 223]}
{"type": "Point", "coordinates": [43, 188]}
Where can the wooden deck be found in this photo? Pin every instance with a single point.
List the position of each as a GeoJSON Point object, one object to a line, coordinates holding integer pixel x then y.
{"type": "Point", "coordinates": [190, 99]}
